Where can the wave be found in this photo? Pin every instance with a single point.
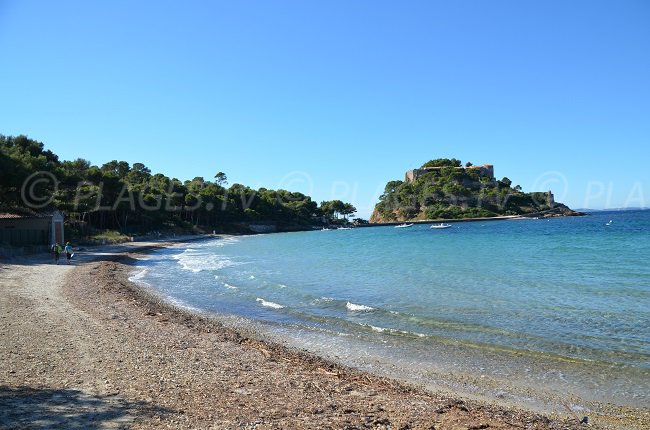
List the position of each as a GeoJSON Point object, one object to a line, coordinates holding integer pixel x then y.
{"type": "Point", "coordinates": [358, 308]}
{"type": "Point", "coordinates": [182, 304]}
{"type": "Point", "coordinates": [195, 261]}
{"type": "Point", "coordinates": [210, 244]}
{"type": "Point", "coordinates": [223, 242]}
{"type": "Point", "coordinates": [375, 328]}
{"type": "Point", "coordinates": [137, 277]}
{"type": "Point", "coordinates": [393, 331]}
{"type": "Point", "coordinates": [269, 304]}
{"type": "Point", "coordinates": [230, 287]}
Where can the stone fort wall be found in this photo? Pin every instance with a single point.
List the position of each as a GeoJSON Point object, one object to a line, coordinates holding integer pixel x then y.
{"type": "Point", "coordinates": [486, 170]}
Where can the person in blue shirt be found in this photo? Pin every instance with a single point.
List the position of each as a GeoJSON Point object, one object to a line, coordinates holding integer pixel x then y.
{"type": "Point", "coordinates": [68, 251]}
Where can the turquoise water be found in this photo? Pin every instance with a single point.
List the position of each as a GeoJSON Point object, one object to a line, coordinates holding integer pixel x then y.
{"type": "Point", "coordinates": [574, 290]}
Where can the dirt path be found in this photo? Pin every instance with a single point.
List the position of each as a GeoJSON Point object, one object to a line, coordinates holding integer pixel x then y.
{"type": "Point", "coordinates": [81, 347]}
{"type": "Point", "coordinates": [46, 349]}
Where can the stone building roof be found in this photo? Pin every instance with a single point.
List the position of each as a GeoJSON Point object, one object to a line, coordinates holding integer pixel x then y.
{"type": "Point", "coordinates": [10, 216]}
{"type": "Point", "coordinates": [26, 214]}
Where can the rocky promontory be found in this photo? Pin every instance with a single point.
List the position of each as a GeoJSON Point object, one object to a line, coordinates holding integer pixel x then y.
{"type": "Point", "coordinates": [444, 189]}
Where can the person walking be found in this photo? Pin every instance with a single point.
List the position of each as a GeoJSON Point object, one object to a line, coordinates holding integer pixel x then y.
{"type": "Point", "coordinates": [68, 251]}
{"type": "Point", "coordinates": [57, 252]}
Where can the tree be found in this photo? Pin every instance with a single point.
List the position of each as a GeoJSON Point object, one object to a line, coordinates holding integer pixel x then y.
{"type": "Point", "coordinates": [327, 209]}
{"type": "Point", "coordinates": [139, 174]}
{"type": "Point", "coordinates": [335, 208]}
{"type": "Point", "coordinates": [221, 179]}
{"type": "Point", "coordinates": [118, 168]}
{"type": "Point", "coordinates": [347, 210]}
{"type": "Point", "coordinates": [442, 162]}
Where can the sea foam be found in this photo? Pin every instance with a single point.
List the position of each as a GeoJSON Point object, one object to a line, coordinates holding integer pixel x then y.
{"type": "Point", "coordinates": [198, 261]}
{"type": "Point", "coordinates": [393, 331]}
{"type": "Point", "coordinates": [356, 308]}
{"type": "Point", "coordinates": [137, 277]}
{"type": "Point", "coordinates": [269, 304]}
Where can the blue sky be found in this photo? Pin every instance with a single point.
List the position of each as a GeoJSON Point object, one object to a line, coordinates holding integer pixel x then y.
{"type": "Point", "coordinates": [335, 98]}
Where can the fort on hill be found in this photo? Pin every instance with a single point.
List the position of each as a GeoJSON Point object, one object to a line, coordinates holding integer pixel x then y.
{"type": "Point", "coordinates": [444, 189]}
{"type": "Point", "coordinates": [485, 171]}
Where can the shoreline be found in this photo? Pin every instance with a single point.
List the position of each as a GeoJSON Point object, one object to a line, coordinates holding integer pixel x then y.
{"type": "Point", "coordinates": [536, 215]}
{"type": "Point", "coordinates": [174, 368]}
{"type": "Point", "coordinates": [544, 383]}
{"type": "Point", "coordinates": [444, 220]}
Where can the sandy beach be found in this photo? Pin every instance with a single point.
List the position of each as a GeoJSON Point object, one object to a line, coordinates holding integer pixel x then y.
{"type": "Point", "coordinates": [82, 347]}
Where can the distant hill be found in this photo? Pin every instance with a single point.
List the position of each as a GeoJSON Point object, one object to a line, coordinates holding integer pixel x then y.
{"type": "Point", "coordinates": [444, 189]}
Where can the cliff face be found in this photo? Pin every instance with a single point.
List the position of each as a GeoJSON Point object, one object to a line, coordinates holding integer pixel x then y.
{"type": "Point", "coordinates": [452, 192]}
{"type": "Point", "coordinates": [376, 217]}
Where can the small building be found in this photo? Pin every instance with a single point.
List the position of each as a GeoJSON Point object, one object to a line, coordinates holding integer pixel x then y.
{"type": "Point", "coordinates": [31, 229]}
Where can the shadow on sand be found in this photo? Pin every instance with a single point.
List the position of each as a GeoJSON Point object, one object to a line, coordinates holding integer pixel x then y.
{"type": "Point", "coordinates": [100, 253]}
{"type": "Point", "coordinates": [81, 256]}
{"type": "Point", "coordinates": [32, 408]}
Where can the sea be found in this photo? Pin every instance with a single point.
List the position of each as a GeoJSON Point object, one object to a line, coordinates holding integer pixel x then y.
{"type": "Point", "coordinates": [553, 313]}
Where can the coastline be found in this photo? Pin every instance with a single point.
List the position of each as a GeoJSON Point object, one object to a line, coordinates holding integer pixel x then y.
{"type": "Point", "coordinates": [551, 213]}
{"type": "Point", "coordinates": [443, 220]}
{"type": "Point", "coordinates": [154, 365]}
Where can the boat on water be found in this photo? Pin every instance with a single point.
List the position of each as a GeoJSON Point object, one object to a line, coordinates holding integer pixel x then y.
{"type": "Point", "coordinates": [405, 225]}
{"type": "Point", "coordinates": [441, 225]}
{"type": "Point", "coordinates": [610, 222]}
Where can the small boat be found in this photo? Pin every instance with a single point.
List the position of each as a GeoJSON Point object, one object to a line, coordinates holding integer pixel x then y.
{"type": "Point", "coordinates": [441, 225]}
{"type": "Point", "coordinates": [344, 228]}
{"type": "Point", "coordinates": [610, 222]}
{"type": "Point", "coordinates": [405, 225]}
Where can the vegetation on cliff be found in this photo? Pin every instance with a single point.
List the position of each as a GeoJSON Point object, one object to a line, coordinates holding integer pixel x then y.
{"type": "Point", "coordinates": [130, 198]}
{"type": "Point", "coordinates": [443, 189]}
